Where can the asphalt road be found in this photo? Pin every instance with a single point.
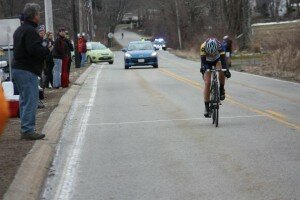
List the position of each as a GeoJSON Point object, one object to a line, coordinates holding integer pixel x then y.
{"type": "Point", "coordinates": [140, 134]}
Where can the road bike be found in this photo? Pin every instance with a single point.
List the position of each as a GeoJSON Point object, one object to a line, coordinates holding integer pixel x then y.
{"type": "Point", "coordinates": [215, 101]}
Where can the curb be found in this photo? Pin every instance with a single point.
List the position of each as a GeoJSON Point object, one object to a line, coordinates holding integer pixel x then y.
{"type": "Point", "coordinates": [30, 177]}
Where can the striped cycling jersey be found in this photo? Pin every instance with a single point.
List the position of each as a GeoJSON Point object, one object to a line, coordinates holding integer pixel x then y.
{"type": "Point", "coordinates": [212, 58]}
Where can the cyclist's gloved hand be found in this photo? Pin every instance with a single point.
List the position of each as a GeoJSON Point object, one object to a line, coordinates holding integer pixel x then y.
{"type": "Point", "coordinates": [227, 74]}
{"type": "Point", "coordinates": [202, 70]}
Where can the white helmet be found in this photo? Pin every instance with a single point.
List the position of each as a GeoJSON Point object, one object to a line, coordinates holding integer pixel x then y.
{"type": "Point", "coordinates": [211, 46]}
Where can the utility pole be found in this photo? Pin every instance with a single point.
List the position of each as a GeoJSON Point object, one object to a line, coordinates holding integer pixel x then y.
{"type": "Point", "coordinates": [92, 20]}
{"type": "Point", "coordinates": [178, 24]}
{"type": "Point", "coordinates": [48, 15]}
{"type": "Point", "coordinates": [75, 30]}
{"type": "Point", "coordinates": [80, 16]}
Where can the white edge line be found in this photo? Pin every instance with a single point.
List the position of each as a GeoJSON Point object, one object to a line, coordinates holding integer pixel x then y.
{"type": "Point", "coordinates": [69, 173]}
{"type": "Point", "coordinates": [169, 120]}
{"type": "Point", "coordinates": [266, 77]}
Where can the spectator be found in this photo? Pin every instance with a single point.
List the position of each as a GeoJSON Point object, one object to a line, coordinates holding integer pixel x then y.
{"type": "Point", "coordinates": [65, 63]}
{"type": "Point", "coordinates": [58, 55]}
{"type": "Point", "coordinates": [82, 49]}
{"type": "Point", "coordinates": [227, 45]}
{"type": "Point", "coordinates": [69, 51]}
{"type": "Point", "coordinates": [29, 55]}
{"type": "Point", "coordinates": [4, 113]}
{"type": "Point", "coordinates": [49, 61]}
{"type": "Point", "coordinates": [42, 33]}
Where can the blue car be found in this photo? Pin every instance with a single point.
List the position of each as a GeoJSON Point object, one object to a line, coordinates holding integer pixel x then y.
{"type": "Point", "coordinates": [140, 53]}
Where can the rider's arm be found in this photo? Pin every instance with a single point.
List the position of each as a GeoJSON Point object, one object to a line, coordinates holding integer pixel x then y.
{"type": "Point", "coordinates": [203, 60]}
{"type": "Point", "coordinates": [203, 54]}
{"type": "Point", "coordinates": [224, 64]}
{"type": "Point", "coordinates": [223, 61]}
{"type": "Point", "coordinates": [223, 57]}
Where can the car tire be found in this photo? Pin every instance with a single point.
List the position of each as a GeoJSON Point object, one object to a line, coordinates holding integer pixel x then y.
{"type": "Point", "coordinates": [112, 62]}
{"type": "Point", "coordinates": [89, 59]}
{"type": "Point", "coordinates": [155, 66]}
{"type": "Point", "coordinates": [126, 67]}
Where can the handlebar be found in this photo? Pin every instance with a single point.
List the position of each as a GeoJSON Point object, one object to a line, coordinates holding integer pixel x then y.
{"type": "Point", "coordinates": [216, 70]}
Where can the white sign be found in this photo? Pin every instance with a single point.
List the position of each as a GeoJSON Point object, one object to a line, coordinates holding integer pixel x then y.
{"type": "Point", "coordinates": [110, 35]}
{"type": "Point", "coordinates": [7, 29]}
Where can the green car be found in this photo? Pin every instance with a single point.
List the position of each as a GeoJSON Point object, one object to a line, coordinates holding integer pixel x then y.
{"type": "Point", "coordinates": [97, 52]}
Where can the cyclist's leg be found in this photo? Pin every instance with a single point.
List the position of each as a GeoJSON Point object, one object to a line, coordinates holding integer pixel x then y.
{"type": "Point", "coordinates": [222, 81]}
{"type": "Point", "coordinates": [206, 92]}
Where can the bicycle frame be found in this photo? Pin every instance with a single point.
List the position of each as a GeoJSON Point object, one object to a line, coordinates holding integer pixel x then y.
{"type": "Point", "coordinates": [214, 95]}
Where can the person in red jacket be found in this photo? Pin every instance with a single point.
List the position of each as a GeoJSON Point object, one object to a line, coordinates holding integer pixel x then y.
{"type": "Point", "coordinates": [82, 49]}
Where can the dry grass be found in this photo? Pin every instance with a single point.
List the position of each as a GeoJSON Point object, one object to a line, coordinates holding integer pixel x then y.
{"type": "Point", "coordinates": [187, 54]}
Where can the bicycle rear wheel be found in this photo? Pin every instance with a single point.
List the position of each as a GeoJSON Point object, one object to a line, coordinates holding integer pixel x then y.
{"type": "Point", "coordinates": [215, 103]}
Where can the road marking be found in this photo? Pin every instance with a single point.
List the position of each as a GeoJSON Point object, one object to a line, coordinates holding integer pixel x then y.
{"type": "Point", "coordinates": [266, 91]}
{"type": "Point", "coordinates": [170, 120]}
{"type": "Point", "coordinates": [231, 100]}
{"type": "Point", "coordinates": [245, 73]}
{"type": "Point", "coordinates": [252, 87]}
{"type": "Point", "coordinates": [69, 173]}
{"type": "Point", "coordinates": [277, 114]}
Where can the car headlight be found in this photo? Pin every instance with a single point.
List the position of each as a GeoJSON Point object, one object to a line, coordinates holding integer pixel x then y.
{"type": "Point", "coordinates": [127, 55]}
{"type": "Point", "coordinates": [154, 54]}
{"type": "Point", "coordinates": [164, 45]}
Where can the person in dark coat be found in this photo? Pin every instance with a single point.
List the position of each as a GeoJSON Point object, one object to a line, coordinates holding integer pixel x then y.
{"type": "Point", "coordinates": [28, 62]}
{"type": "Point", "coordinates": [49, 61]}
{"type": "Point", "coordinates": [69, 50]}
{"type": "Point", "coordinates": [59, 52]}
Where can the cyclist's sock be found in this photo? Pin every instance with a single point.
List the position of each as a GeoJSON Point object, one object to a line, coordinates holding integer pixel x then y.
{"type": "Point", "coordinates": [206, 106]}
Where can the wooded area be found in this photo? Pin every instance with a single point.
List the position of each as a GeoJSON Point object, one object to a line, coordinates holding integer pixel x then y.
{"type": "Point", "coordinates": [182, 22]}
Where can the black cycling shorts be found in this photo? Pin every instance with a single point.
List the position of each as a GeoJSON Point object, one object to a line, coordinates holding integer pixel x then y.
{"type": "Point", "coordinates": [208, 64]}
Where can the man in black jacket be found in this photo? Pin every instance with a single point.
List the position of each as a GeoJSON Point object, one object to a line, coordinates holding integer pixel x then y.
{"type": "Point", "coordinates": [29, 56]}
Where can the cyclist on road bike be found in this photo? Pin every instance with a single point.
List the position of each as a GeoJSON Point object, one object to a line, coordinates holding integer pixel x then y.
{"type": "Point", "coordinates": [212, 54]}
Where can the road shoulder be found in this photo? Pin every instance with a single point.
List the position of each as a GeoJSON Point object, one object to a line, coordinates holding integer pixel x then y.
{"type": "Point", "coordinates": [34, 168]}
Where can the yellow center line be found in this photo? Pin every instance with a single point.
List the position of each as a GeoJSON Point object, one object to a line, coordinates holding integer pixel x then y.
{"type": "Point", "coordinates": [246, 85]}
{"type": "Point", "coordinates": [272, 112]}
{"type": "Point", "coordinates": [271, 115]}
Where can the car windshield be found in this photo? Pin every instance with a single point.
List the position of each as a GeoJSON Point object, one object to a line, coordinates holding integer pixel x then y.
{"type": "Point", "coordinates": [140, 46]}
{"type": "Point", "coordinates": [159, 42]}
{"type": "Point", "coordinates": [98, 46]}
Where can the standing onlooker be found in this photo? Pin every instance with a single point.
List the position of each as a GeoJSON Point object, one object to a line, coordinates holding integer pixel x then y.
{"type": "Point", "coordinates": [69, 51]}
{"type": "Point", "coordinates": [42, 33]}
{"type": "Point", "coordinates": [29, 55]}
{"type": "Point", "coordinates": [82, 49]}
{"type": "Point", "coordinates": [49, 61]}
{"type": "Point", "coordinates": [65, 64]}
{"type": "Point", "coordinates": [58, 54]}
{"type": "Point", "coordinates": [227, 45]}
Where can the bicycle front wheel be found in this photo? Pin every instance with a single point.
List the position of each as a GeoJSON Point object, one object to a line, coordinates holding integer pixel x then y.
{"type": "Point", "coordinates": [217, 117]}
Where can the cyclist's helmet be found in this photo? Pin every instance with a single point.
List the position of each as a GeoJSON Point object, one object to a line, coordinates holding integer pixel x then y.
{"type": "Point", "coordinates": [211, 46]}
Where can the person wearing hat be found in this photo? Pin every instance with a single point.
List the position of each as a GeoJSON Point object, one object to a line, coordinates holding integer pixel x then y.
{"type": "Point", "coordinates": [227, 45]}
{"type": "Point", "coordinates": [28, 63]}
{"type": "Point", "coordinates": [59, 52]}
